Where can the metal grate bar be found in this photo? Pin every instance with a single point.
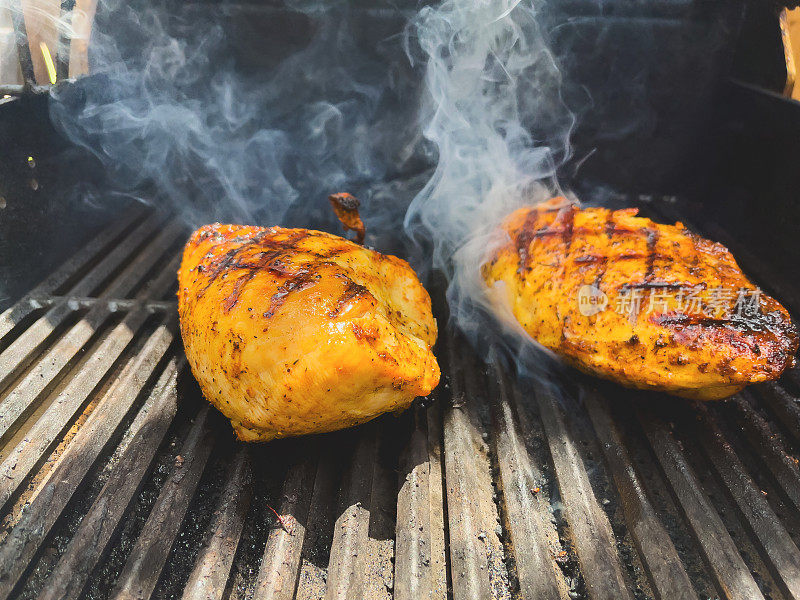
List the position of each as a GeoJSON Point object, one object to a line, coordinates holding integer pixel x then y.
{"type": "Point", "coordinates": [76, 303]}
{"type": "Point", "coordinates": [311, 582]}
{"type": "Point", "coordinates": [92, 539]}
{"type": "Point", "coordinates": [213, 566]}
{"type": "Point", "coordinates": [103, 242]}
{"type": "Point", "coordinates": [378, 579]}
{"type": "Point", "coordinates": [444, 516]}
{"type": "Point", "coordinates": [793, 375]}
{"type": "Point", "coordinates": [469, 564]}
{"type": "Point", "coordinates": [22, 399]}
{"type": "Point", "coordinates": [772, 538]}
{"type": "Point", "coordinates": [667, 575]}
{"type": "Point", "coordinates": [139, 246]}
{"type": "Point", "coordinates": [484, 491]}
{"type": "Point", "coordinates": [133, 275]}
{"type": "Point", "coordinates": [69, 469]}
{"type": "Point", "coordinates": [534, 539]}
{"type": "Point", "coordinates": [784, 405]}
{"type": "Point", "coordinates": [147, 559]}
{"type": "Point", "coordinates": [24, 457]}
{"type": "Point", "coordinates": [436, 497]}
{"type": "Point", "coordinates": [593, 538]}
{"type": "Point", "coordinates": [360, 559]}
{"type": "Point", "coordinates": [770, 446]}
{"type": "Point", "coordinates": [23, 48]}
{"type": "Point", "coordinates": [732, 576]}
{"type": "Point", "coordinates": [414, 570]}
{"type": "Point", "coordinates": [280, 565]}
{"type": "Point", "coordinates": [346, 568]}
{"type": "Point", "coordinates": [22, 351]}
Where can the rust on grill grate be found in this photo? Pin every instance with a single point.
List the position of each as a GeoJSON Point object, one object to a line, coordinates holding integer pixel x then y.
{"type": "Point", "coordinates": [118, 481]}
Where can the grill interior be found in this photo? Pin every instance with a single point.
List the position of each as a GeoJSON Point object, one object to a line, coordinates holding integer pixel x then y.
{"type": "Point", "coordinates": [118, 481]}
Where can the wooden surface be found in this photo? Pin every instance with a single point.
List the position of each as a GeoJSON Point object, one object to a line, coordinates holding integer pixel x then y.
{"type": "Point", "coordinates": [64, 35]}
{"type": "Point", "coordinates": [792, 29]}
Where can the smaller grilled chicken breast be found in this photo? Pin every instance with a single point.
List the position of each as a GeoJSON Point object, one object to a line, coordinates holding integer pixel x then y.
{"type": "Point", "coordinates": [292, 331]}
{"type": "Point", "coordinates": [647, 305]}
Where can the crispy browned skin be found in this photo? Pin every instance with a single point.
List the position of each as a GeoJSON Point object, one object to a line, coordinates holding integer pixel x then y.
{"type": "Point", "coordinates": [703, 352]}
{"type": "Point", "coordinates": [292, 331]}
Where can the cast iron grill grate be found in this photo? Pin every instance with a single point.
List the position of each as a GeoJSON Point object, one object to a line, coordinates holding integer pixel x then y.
{"type": "Point", "coordinates": [118, 481]}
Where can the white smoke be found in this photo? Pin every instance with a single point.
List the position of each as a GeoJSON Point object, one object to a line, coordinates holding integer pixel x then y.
{"type": "Point", "coordinates": [444, 118]}
{"type": "Point", "coordinates": [183, 112]}
{"type": "Point", "coordinates": [457, 106]}
{"type": "Point", "coordinates": [495, 113]}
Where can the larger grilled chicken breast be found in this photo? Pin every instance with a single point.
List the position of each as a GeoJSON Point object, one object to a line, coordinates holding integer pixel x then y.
{"type": "Point", "coordinates": [701, 330]}
{"type": "Point", "coordinates": [292, 331]}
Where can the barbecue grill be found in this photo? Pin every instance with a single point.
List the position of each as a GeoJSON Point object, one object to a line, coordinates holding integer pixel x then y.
{"type": "Point", "coordinates": [117, 480]}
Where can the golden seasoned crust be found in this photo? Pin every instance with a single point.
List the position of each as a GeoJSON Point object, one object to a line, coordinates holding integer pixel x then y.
{"type": "Point", "coordinates": [293, 331]}
{"type": "Point", "coordinates": [691, 334]}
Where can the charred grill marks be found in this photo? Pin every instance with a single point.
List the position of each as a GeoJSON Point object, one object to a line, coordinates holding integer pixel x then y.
{"type": "Point", "coordinates": [654, 285]}
{"type": "Point", "coordinates": [650, 256]}
{"type": "Point", "coordinates": [351, 292]}
{"type": "Point", "coordinates": [300, 281]}
{"type": "Point", "coordinates": [263, 251]}
{"type": "Point", "coordinates": [269, 258]}
{"type": "Point", "coordinates": [590, 259]}
{"type": "Point", "coordinates": [569, 227]}
{"type": "Point", "coordinates": [526, 236]}
{"type": "Point", "coordinates": [610, 225]}
{"type": "Point", "coordinates": [609, 230]}
{"type": "Point", "coordinates": [652, 240]}
{"type": "Point", "coordinates": [233, 297]}
{"type": "Point", "coordinates": [743, 325]}
{"type": "Point", "coordinates": [684, 319]}
{"type": "Point", "coordinates": [563, 225]}
{"type": "Point", "coordinates": [220, 265]}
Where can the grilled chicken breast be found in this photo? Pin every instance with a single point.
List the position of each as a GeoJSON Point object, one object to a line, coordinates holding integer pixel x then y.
{"type": "Point", "coordinates": [647, 305]}
{"type": "Point", "coordinates": [291, 331]}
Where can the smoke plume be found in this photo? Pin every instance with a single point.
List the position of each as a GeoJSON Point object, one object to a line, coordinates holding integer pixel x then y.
{"type": "Point", "coordinates": [441, 119]}
{"type": "Point", "coordinates": [445, 120]}
{"type": "Point", "coordinates": [182, 111]}
{"type": "Point", "coordinates": [494, 110]}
